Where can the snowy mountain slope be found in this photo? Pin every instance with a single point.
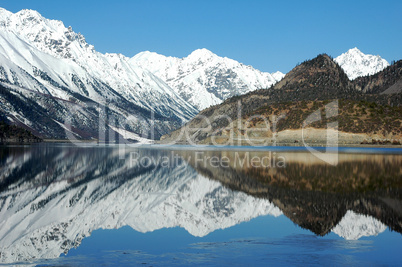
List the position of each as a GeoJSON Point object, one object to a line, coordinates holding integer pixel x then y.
{"type": "Point", "coordinates": [44, 56]}
{"type": "Point", "coordinates": [356, 64]}
{"type": "Point", "coordinates": [45, 213]}
{"type": "Point", "coordinates": [203, 78]}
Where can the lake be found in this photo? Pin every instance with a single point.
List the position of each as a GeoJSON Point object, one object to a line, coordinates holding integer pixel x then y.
{"type": "Point", "coordinates": [61, 205]}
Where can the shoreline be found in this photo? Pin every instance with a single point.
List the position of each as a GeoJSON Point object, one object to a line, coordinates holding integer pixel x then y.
{"type": "Point", "coordinates": [13, 141]}
{"type": "Point", "coordinates": [285, 144]}
{"type": "Point", "coordinates": [290, 146]}
{"type": "Point", "coordinates": [66, 141]}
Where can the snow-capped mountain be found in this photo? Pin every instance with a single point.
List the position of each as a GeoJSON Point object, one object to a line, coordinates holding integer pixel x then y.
{"type": "Point", "coordinates": [56, 84]}
{"type": "Point", "coordinates": [50, 70]}
{"type": "Point", "coordinates": [52, 61]}
{"type": "Point", "coordinates": [203, 78]}
{"type": "Point", "coordinates": [45, 213]}
{"type": "Point", "coordinates": [356, 64]}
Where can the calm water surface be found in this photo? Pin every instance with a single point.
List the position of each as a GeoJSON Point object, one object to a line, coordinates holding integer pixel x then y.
{"type": "Point", "coordinates": [67, 205]}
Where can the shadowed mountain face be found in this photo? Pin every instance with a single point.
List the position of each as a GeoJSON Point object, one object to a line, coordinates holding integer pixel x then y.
{"type": "Point", "coordinates": [53, 196]}
{"type": "Point", "coordinates": [387, 81]}
{"type": "Point", "coordinates": [321, 77]}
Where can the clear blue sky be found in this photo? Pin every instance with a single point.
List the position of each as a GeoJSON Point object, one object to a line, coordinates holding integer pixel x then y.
{"type": "Point", "coordinates": [267, 35]}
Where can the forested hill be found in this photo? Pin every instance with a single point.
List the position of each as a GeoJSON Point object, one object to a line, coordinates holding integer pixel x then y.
{"type": "Point", "coordinates": [13, 133]}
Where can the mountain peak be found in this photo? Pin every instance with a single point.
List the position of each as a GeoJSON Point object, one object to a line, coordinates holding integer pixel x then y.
{"type": "Point", "coordinates": [357, 64]}
{"type": "Point", "coordinates": [28, 16]}
{"type": "Point", "coordinates": [4, 13]}
{"type": "Point", "coordinates": [49, 36]}
{"type": "Point", "coordinates": [202, 53]}
{"type": "Point", "coordinates": [25, 21]}
{"type": "Point", "coordinates": [146, 56]}
{"type": "Point", "coordinates": [320, 74]}
{"type": "Point", "coordinates": [354, 50]}
{"type": "Point", "coordinates": [145, 53]}
{"type": "Point", "coordinates": [29, 13]}
{"type": "Point", "coordinates": [321, 57]}
{"type": "Point", "coordinates": [204, 78]}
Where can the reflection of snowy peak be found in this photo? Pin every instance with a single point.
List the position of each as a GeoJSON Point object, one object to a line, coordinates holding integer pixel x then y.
{"type": "Point", "coordinates": [356, 64]}
{"type": "Point", "coordinates": [205, 79]}
{"type": "Point", "coordinates": [354, 226]}
{"type": "Point", "coordinates": [44, 219]}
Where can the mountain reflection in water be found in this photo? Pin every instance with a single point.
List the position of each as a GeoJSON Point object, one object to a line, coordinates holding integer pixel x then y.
{"type": "Point", "coordinates": [53, 196]}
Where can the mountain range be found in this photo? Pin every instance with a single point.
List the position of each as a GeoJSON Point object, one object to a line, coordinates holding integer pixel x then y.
{"type": "Point", "coordinates": [55, 84]}
{"type": "Point", "coordinates": [56, 79]}
{"type": "Point", "coordinates": [203, 78]}
{"type": "Point", "coordinates": [49, 70]}
{"type": "Point", "coordinates": [295, 110]}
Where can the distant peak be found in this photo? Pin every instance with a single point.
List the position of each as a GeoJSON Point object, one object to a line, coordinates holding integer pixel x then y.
{"type": "Point", "coordinates": [321, 58]}
{"type": "Point", "coordinates": [202, 53]}
{"type": "Point", "coordinates": [324, 55]}
{"type": "Point", "coordinates": [277, 73]}
{"type": "Point", "coordinates": [29, 13]}
{"type": "Point", "coordinates": [5, 12]}
{"type": "Point", "coordinates": [356, 64]}
{"type": "Point", "coordinates": [145, 55]}
{"type": "Point", "coordinates": [354, 51]}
